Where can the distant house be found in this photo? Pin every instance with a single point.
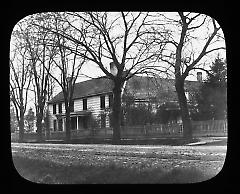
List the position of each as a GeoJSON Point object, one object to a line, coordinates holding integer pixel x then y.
{"type": "Point", "coordinates": [161, 92]}
{"type": "Point", "coordinates": [93, 97]}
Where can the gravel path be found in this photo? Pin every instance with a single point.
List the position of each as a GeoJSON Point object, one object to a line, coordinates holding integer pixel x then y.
{"type": "Point", "coordinates": [208, 159]}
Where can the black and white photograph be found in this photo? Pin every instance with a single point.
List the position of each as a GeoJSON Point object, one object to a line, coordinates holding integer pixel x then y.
{"type": "Point", "coordinates": [118, 97]}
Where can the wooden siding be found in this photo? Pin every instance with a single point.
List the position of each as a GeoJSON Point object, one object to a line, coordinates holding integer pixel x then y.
{"type": "Point", "coordinates": [51, 116]}
{"type": "Point", "coordinates": [107, 106]}
{"type": "Point", "coordinates": [63, 107]}
{"type": "Point", "coordinates": [93, 104]}
{"type": "Point", "coordinates": [78, 105]}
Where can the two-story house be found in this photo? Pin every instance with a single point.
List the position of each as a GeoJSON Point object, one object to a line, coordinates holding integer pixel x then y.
{"type": "Point", "coordinates": [93, 97]}
{"type": "Point", "coordinates": [90, 98]}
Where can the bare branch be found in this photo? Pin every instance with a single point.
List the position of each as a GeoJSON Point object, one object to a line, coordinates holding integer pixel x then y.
{"type": "Point", "coordinates": [204, 52]}
{"type": "Point", "coordinates": [198, 26]}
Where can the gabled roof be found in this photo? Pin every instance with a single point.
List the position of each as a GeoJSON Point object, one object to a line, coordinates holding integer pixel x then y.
{"type": "Point", "coordinates": [162, 89]}
{"type": "Point", "coordinates": [87, 88]}
{"type": "Point", "coordinates": [138, 86]}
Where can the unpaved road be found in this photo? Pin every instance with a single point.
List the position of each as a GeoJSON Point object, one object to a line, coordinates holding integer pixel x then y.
{"type": "Point", "coordinates": [208, 159]}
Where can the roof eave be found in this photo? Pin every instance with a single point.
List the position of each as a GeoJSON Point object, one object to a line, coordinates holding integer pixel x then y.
{"type": "Point", "coordinates": [81, 97]}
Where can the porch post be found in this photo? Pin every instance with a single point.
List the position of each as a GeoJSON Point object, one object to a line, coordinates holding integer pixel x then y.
{"type": "Point", "coordinates": [77, 122]}
{"type": "Point", "coordinates": [63, 124]}
{"type": "Point", "coordinates": [57, 129]}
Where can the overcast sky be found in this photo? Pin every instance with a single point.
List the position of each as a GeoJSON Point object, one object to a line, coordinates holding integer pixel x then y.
{"type": "Point", "coordinates": [92, 70]}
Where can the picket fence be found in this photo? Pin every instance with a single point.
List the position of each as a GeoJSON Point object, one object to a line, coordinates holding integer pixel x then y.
{"type": "Point", "coordinates": [200, 128]}
{"type": "Point", "coordinates": [210, 128]}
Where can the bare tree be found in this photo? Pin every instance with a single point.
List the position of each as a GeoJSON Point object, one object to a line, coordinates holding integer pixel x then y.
{"type": "Point", "coordinates": [13, 118]}
{"type": "Point", "coordinates": [20, 79]}
{"type": "Point", "coordinates": [186, 30]}
{"type": "Point", "coordinates": [123, 39]}
{"type": "Point", "coordinates": [40, 56]}
{"type": "Point", "coordinates": [67, 64]}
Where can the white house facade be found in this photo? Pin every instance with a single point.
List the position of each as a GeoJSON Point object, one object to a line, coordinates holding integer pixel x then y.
{"type": "Point", "coordinates": [83, 109]}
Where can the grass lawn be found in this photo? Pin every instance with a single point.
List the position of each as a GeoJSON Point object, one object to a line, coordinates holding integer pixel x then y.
{"type": "Point", "coordinates": [43, 171]}
{"type": "Point", "coordinates": [124, 141]}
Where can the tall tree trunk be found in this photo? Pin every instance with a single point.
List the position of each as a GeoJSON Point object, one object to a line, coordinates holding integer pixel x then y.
{"type": "Point", "coordinates": [187, 125]}
{"type": "Point", "coordinates": [46, 121]}
{"type": "Point", "coordinates": [68, 126]}
{"type": "Point", "coordinates": [116, 113]}
{"type": "Point", "coordinates": [39, 126]}
{"type": "Point", "coordinates": [21, 127]}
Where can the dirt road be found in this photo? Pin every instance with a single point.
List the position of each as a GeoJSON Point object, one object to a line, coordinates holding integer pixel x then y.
{"type": "Point", "coordinates": [208, 159]}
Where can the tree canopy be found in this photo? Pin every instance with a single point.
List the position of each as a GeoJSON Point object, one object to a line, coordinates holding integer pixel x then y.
{"type": "Point", "coordinates": [212, 97]}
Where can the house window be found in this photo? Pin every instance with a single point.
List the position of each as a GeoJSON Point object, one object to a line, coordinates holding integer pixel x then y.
{"type": "Point", "coordinates": [60, 124]}
{"type": "Point", "coordinates": [103, 120]}
{"type": "Point", "coordinates": [71, 106]}
{"type": "Point", "coordinates": [54, 125]}
{"type": "Point", "coordinates": [54, 108]}
{"type": "Point", "coordinates": [102, 102]}
{"type": "Point", "coordinates": [60, 108]}
{"type": "Point", "coordinates": [110, 97]}
{"type": "Point", "coordinates": [85, 104]}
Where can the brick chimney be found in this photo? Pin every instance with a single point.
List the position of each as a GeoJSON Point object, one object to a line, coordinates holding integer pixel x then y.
{"type": "Point", "coordinates": [113, 69]}
{"type": "Point", "coordinates": [199, 76]}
